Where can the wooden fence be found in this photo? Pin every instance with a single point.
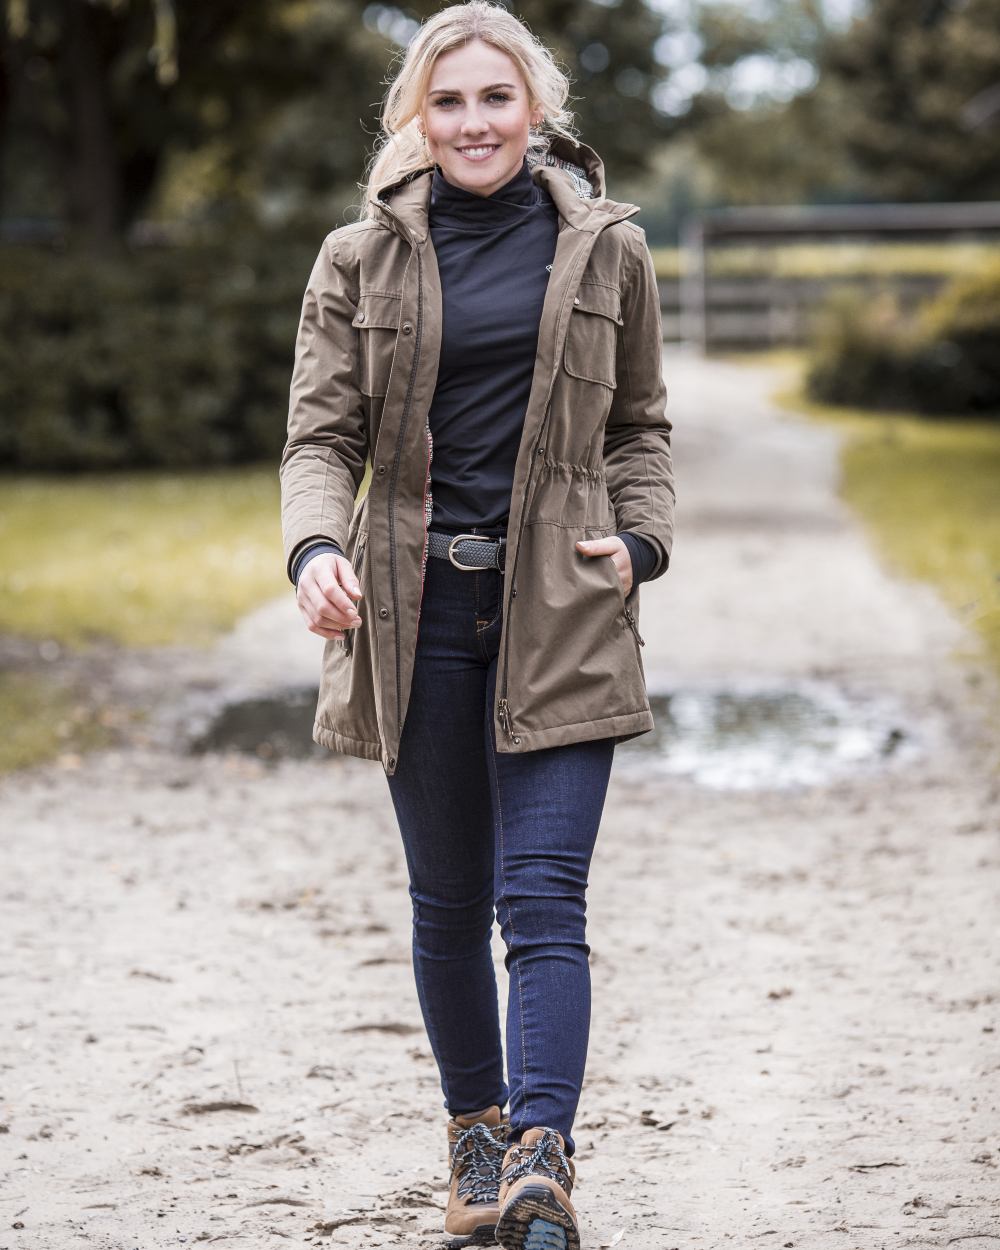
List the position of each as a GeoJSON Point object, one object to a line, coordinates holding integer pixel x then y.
{"type": "Point", "coordinates": [717, 310]}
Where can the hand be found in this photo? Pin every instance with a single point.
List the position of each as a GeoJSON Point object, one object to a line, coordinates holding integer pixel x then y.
{"type": "Point", "coordinates": [325, 594]}
{"type": "Point", "coordinates": [614, 547]}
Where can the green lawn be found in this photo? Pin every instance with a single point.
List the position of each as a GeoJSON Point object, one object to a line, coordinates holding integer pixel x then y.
{"type": "Point", "coordinates": [139, 558]}
{"type": "Point", "coordinates": [44, 717]}
{"type": "Point", "coordinates": [929, 490]}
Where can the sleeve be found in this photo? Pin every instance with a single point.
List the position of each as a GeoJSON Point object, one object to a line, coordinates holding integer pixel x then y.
{"type": "Point", "coordinates": [323, 462]}
{"type": "Point", "coordinates": [637, 453]}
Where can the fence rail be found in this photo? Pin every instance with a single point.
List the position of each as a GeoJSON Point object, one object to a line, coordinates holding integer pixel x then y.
{"type": "Point", "coordinates": [712, 310]}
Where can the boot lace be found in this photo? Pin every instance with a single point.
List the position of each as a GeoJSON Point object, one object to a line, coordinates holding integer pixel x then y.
{"type": "Point", "coordinates": [545, 1158]}
{"type": "Point", "coordinates": [478, 1156]}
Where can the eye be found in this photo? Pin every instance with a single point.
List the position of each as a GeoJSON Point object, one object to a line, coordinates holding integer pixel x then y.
{"type": "Point", "coordinates": [441, 101]}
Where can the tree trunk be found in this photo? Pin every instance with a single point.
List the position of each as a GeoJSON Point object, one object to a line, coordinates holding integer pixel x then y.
{"type": "Point", "coordinates": [94, 200]}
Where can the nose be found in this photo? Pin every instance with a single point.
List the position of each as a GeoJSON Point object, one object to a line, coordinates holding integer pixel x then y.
{"type": "Point", "coordinates": [474, 124]}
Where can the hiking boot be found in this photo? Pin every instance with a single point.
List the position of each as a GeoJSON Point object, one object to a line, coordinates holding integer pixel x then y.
{"type": "Point", "coordinates": [476, 1145]}
{"type": "Point", "coordinates": [535, 1186]}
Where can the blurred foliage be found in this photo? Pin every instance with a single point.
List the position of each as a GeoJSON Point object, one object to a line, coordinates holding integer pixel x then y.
{"type": "Point", "coordinates": [176, 356]}
{"type": "Point", "coordinates": [902, 102]}
{"type": "Point", "coordinates": [265, 109]}
{"type": "Point", "coordinates": [918, 98]}
{"type": "Point", "coordinates": [91, 135]}
{"type": "Point", "coordinates": [142, 559]}
{"type": "Point", "coordinates": [942, 359]}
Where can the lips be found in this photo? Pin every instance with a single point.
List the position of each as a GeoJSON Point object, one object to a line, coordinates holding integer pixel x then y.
{"type": "Point", "coordinates": [479, 151]}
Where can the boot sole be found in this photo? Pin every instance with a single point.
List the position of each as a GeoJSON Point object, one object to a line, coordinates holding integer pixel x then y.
{"type": "Point", "coordinates": [536, 1220]}
{"type": "Point", "coordinates": [483, 1236]}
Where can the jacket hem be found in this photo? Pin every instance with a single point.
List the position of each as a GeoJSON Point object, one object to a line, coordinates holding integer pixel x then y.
{"type": "Point", "coordinates": [627, 725]}
{"type": "Point", "coordinates": [335, 741]}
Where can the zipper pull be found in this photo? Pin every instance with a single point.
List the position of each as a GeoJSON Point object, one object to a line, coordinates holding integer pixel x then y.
{"type": "Point", "coordinates": [633, 626]}
{"type": "Point", "coordinates": [505, 717]}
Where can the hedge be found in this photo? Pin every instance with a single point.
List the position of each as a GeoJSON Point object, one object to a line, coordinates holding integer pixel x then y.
{"type": "Point", "coordinates": [943, 360]}
{"type": "Point", "coordinates": [175, 356]}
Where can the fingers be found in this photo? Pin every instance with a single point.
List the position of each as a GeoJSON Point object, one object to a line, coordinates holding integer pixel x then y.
{"type": "Point", "coordinates": [599, 546]}
{"type": "Point", "coordinates": [327, 591]}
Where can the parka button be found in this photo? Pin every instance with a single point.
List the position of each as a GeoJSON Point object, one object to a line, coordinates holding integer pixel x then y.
{"type": "Point", "coordinates": [361, 316]}
{"type": "Point", "coordinates": [392, 761]}
{"type": "Point", "coordinates": [383, 613]}
{"type": "Point", "coordinates": [576, 299]}
{"type": "Point", "coordinates": [407, 328]}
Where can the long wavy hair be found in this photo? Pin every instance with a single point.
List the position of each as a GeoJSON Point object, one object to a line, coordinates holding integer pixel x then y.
{"type": "Point", "coordinates": [401, 149]}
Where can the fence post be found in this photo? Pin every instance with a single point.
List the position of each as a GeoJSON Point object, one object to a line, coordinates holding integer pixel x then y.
{"type": "Point", "coordinates": [693, 284]}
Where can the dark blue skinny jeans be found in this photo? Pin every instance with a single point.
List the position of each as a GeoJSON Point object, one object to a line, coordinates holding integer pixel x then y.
{"type": "Point", "coordinates": [484, 832]}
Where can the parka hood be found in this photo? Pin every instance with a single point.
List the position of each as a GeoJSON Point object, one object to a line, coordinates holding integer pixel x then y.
{"type": "Point", "coordinates": [572, 172]}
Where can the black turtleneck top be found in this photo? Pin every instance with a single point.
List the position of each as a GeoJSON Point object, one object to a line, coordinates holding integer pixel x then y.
{"type": "Point", "coordinates": [494, 255]}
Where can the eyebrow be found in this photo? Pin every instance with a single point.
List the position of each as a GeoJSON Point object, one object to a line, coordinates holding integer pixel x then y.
{"type": "Point", "coordinates": [491, 87]}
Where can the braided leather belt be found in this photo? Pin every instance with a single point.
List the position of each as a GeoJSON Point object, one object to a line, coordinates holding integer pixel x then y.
{"type": "Point", "coordinates": [468, 551]}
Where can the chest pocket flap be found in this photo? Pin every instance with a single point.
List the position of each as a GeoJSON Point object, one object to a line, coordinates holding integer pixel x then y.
{"type": "Point", "coordinates": [592, 335]}
{"type": "Point", "coordinates": [377, 320]}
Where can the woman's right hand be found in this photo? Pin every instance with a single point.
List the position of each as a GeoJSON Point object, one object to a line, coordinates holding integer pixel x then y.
{"type": "Point", "coordinates": [326, 593]}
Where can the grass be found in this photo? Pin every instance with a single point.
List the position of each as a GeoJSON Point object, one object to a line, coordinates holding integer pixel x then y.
{"type": "Point", "coordinates": [142, 559]}
{"type": "Point", "coordinates": [927, 489]}
{"type": "Point", "coordinates": [43, 718]}
{"type": "Point", "coordinates": [129, 559]}
{"type": "Point", "coordinates": [138, 559]}
{"type": "Point", "coordinates": [835, 260]}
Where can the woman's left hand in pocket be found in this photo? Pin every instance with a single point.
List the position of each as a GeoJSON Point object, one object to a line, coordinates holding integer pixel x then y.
{"type": "Point", "coordinates": [614, 547]}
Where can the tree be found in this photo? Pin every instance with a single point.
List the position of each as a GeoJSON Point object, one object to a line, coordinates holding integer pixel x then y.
{"type": "Point", "coordinates": [107, 95]}
{"type": "Point", "coordinates": [111, 111]}
{"type": "Point", "coordinates": [915, 80]}
{"type": "Point", "coordinates": [903, 102]}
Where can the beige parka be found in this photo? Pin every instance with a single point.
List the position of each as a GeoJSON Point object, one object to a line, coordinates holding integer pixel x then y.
{"type": "Point", "coordinates": [594, 459]}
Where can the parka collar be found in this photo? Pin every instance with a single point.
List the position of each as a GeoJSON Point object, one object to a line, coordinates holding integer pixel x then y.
{"type": "Point", "coordinates": [571, 172]}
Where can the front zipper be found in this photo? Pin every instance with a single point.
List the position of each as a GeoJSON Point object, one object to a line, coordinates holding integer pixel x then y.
{"type": "Point", "coordinates": [395, 475]}
{"type": "Point", "coordinates": [633, 625]}
{"type": "Point", "coordinates": [504, 706]}
{"type": "Point", "coordinates": [359, 560]}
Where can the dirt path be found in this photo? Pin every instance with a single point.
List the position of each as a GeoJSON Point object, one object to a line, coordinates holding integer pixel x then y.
{"type": "Point", "coordinates": [208, 1027]}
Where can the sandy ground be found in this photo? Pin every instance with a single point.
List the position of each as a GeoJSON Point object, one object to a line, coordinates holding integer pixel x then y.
{"type": "Point", "coordinates": [208, 1026]}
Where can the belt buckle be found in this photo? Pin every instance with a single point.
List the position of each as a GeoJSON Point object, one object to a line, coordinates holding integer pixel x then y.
{"type": "Point", "coordinates": [483, 538]}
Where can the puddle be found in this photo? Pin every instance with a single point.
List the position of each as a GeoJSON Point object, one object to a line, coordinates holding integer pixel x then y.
{"type": "Point", "coordinates": [273, 727]}
{"type": "Point", "coordinates": [725, 738]}
{"type": "Point", "coordinates": [767, 737]}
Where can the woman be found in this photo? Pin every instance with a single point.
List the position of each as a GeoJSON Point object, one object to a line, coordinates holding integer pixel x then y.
{"type": "Point", "coordinates": [495, 313]}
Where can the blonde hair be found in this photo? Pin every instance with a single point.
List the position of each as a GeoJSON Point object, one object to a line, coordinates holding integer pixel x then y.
{"type": "Point", "coordinates": [403, 149]}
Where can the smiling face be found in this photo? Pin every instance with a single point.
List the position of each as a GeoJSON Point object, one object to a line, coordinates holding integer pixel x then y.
{"type": "Point", "coordinates": [476, 116]}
